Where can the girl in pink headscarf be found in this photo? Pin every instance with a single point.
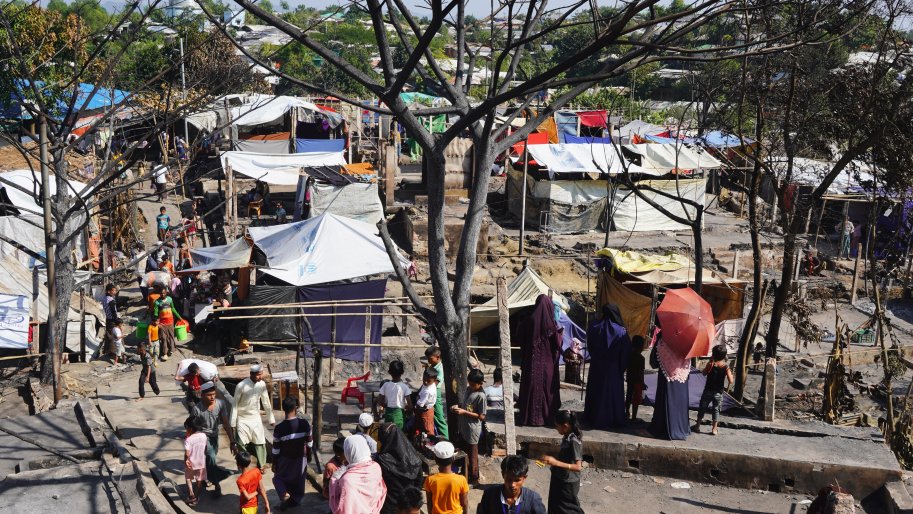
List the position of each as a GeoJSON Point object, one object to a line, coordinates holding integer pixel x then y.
{"type": "Point", "coordinates": [357, 488]}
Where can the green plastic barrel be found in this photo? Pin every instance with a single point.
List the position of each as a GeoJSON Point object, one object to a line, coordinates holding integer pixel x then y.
{"type": "Point", "coordinates": [142, 330]}
{"type": "Point", "coordinates": [180, 332]}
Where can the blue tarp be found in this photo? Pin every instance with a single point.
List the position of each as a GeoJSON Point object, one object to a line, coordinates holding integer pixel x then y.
{"type": "Point", "coordinates": [662, 140]}
{"type": "Point", "coordinates": [566, 122]}
{"type": "Point", "coordinates": [571, 330]}
{"type": "Point", "coordinates": [319, 145]}
{"type": "Point", "coordinates": [103, 97]}
{"type": "Point", "coordinates": [350, 321]}
{"type": "Point", "coordinates": [570, 139]}
{"type": "Point", "coordinates": [719, 139]}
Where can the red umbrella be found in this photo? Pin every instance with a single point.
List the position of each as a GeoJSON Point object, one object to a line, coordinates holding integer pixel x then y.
{"type": "Point", "coordinates": [687, 322]}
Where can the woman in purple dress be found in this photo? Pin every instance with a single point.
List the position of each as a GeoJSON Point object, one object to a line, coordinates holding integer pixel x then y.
{"type": "Point", "coordinates": [610, 351]}
{"type": "Point", "coordinates": [670, 411]}
{"type": "Point", "coordinates": [540, 340]}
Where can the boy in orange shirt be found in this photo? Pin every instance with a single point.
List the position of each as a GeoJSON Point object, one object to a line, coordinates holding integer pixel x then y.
{"type": "Point", "coordinates": [250, 484]}
{"type": "Point", "coordinates": [447, 492]}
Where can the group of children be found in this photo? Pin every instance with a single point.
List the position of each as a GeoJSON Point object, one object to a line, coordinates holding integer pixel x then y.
{"type": "Point", "coordinates": [250, 482]}
{"type": "Point", "coordinates": [447, 491]}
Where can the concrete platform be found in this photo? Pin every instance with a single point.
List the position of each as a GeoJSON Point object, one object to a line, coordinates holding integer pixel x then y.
{"type": "Point", "coordinates": [779, 457]}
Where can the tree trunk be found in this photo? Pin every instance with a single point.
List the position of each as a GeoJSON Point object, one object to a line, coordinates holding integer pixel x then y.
{"type": "Point", "coordinates": [754, 314]}
{"type": "Point", "coordinates": [791, 223]}
{"type": "Point", "coordinates": [698, 249]}
{"type": "Point", "coordinates": [64, 277]}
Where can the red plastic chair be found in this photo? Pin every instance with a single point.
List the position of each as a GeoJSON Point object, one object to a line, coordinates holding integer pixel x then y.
{"type": "Point", "coordinates": [351, 391]}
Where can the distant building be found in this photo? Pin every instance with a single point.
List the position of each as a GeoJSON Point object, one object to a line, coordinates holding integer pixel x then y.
{"type": "Point", "coordinates": [181, 8]}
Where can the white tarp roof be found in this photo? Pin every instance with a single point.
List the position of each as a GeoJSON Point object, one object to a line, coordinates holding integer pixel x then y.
{"type": "Point", "coordinates": [595, 158]}
{"type": "Point", "coordinates": [278, 169]}
{"type": "Point", "coordinates": [230, 256]}
{"type": "Point", "coordinates": [522, 292]}
{"type": "Point", "coordinates": [262, 109]}
{"type": "Point", "coordinates": [639, 127]}
{"type": "Point", "coordinates": [811, 171]}
{"type": "Point", "coordinates": [32, 182]}
{"type": "Point", "coordinates": [324, 249]}
{"type": "Point", "coordinates": [662, 159]}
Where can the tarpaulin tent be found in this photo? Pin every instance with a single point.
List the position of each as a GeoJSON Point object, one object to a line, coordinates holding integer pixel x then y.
{"type": "Point", "coordinates": [30, 202]}
{"type": "Point", "coordinates": [16, 279]}
{"type": "Point", "coordinates": [584, 159]}
{"type": "Point", "coordinates": [666, 158]}
{"type": "Point", "coordinates": [585, 140]}
{"type": "Point", "coordinates": [349, 328]}
{"type": "Point", "coordinates": [278, 169]}
{"type": "Point", "coordinates": [324, 249]}
{"type": "Point", "coordinates": [638, 127]}
{"type": "Point", "coordinates": [632, 214]}
{"type": "Point", "coordinates": [233, 255]}
{"type": "Point", "coordinates": [319, 145]}
{"type": "Point", "coordinates": [266, 109]}
{"type": "Point", "coordinates": [719, 139]}
{"type": "Point", "coordinates": [355, 200]}
{"type": "Point", "coordinates": [262, 328]}
{"type": "Point", "coordinates": [14, 321]}
{"type": "Point", "coordinates": [522, 292]}
{"type": "Point", "coordinates": [276, 143]}
{"type": "Point", "coordinates": [596, 119]}
{"type": "Point", "coordinates": [629, 279]}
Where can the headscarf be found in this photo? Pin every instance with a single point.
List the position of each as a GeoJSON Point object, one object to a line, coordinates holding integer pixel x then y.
{"type": "Point", "coordinates": [541, 321]}
{"type": "Point", "coordinates": [604, 332]}
{"type": "Point", "coordinates": [399, 461]}
{"type": "Point", "coordinates": [356, 450]}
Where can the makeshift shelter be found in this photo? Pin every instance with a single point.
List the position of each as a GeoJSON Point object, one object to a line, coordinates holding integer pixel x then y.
{"type": "Point", "coordinates": [336, 188]}
{"type": "Point", "coordinates": [231, 256]}
{"type": "Point", "coordinates": [18, 281]}
{"type": "Point", "coordinates": [328, 248]}
{"type": "Point", "coordinates": [632, 280]}
{"type": "Point", "coordinates": [569, 188]}
{"type": "Point", "coordinates": [638, 128]}
{"type": "Point", "coordinates": [522, 292]}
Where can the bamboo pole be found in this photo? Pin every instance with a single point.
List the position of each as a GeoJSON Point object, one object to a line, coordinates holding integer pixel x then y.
{"type": "Point", "coordinates": [332, 378]}
{"type": "Point", "coordinates": [506, 367]}
{"type": "Point", "coordinates": [366, 362]}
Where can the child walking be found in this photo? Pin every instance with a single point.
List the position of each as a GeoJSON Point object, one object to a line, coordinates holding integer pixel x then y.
{"type": "Point", "coordinates": [163, 222]}
{"type": "Point", "coordinates": [424, 404]}
{"type": "Point", "coordinates": [565, 484]}
{"type": "Point", "coordinates": [194, 458]}
{"type": "Point", "coordinates": [472, 414]}
{"type": "Point", "coordinates": [250, 484]}
{"type": "Point", "coordinates": [152, 337]}
{"type": "Point", "coordinates": [147, 375]}
{"type": "Point", "coordinates": [717, 372]}
{"type": "Point", "coordinates": [447, 492]}
{"type": "Point", "coordinates": [394, 395]}
{"type": "Point", "coordinates": [117, 335]}
{"type": "Point", "coordinates": [635, 377]}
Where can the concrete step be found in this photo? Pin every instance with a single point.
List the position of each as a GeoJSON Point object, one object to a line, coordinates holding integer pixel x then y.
{"type": "Point", "coordinates": [897, 498]}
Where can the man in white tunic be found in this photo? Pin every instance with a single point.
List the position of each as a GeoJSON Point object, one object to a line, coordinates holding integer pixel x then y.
{"type": "Point", "coordinates": [245, 414]}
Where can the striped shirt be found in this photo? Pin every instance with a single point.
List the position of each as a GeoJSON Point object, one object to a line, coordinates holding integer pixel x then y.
{"type": "Point", "coordinates": [291, 437]}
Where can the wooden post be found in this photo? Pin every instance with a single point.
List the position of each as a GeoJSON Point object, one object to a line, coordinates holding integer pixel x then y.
{"type": "Point", "coordinates": [735, 265]}
{"type": "Point", "coordinates": [770, 388]}
{"type": "Point", "coordinates": [82, 325]}
{"type": "Point", "coordinates": [230, 192]}
{"type": "Point", "coordinates": [367, 357]}
{"type": "Point", "coordinates": [317, 416]}
{"type": "Point", "coordinates": [331, 380]}
{"type": "Point", "coordinates": [506, 367]}
{"type": "Point", "coordinates": [855, 274]}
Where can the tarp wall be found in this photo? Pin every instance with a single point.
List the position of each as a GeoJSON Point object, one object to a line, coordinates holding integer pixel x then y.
{"type": "Point", "coordinates": [319, 145]}
{"type": "Point", "coordinates": [272, 329]}
{"type": "Point", "coordinates": [349, 329]}
{"type": "Point", "coordinates": [636, 309]}
{"type": "Point", "coordinates": [633, 214]}
{"type": "Point", "coordinates": [563, 217]}
{"type": "Point", "coordinates": [358, 201]}
{"type": "Point", "coordinates": [268, 146]}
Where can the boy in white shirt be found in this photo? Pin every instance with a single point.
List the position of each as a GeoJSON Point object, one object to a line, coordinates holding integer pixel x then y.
{"type": "Point", "coordinates": [394, 395]}
{"type": "Point", "coordinates": [117, 334]}
{"type": "Point", "coordinates": [424, 405]}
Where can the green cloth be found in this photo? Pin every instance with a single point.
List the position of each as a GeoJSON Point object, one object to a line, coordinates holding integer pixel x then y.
{"type": "Point", "coordinates": [395, 416]}
{"type": "Point", "coordinates": [257, 450]}
{"type": "Point", "coordinates": [214, 472]}
{"type": "Point", "coordinates": [440, 419]}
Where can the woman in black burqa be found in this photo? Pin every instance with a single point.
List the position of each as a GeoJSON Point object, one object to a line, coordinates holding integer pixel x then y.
{"type": "Point", "coordinates": [610, 351]}
{"type": "Point", "coordinates": [540, 395]}
{"type": "Point", "coordinates": [670, 410]}
{"type": "Point", "coordinates": [400, 464]}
